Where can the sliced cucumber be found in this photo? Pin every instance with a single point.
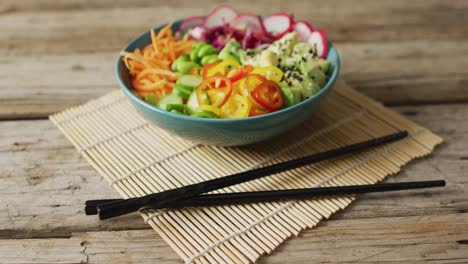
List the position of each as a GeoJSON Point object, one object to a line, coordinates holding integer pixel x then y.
{"type": "Point", "coordinates": [189, 81]}
{"type": "Point", "coordinates": [309, 88]}
{"type": "Point", "coordinates": [177, 107]}
{"type": "Point", "coordinates": [324, 65]}
{"type": "Point", "coordinates": [177, 112]}
{"type": "Point", "coordinates": [288, 96]}
{"type": "Point", "coordinates": [169, 99]}
{"type": "Point", "coordinates": [204, 113]}
{"type": "Point", "coordinates": [192, 103]}
{"type": "Point", "coordinates": [182, 92]}
{"type": "Point", "coordinates": [297, 93]}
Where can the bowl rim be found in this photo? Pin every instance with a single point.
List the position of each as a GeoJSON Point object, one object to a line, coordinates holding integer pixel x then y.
{"type": "Point", "coordinates": [130, 94]}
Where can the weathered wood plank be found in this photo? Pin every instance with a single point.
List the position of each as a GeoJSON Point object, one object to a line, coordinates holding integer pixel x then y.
{"type": "Point", "coordinates": [61, 53]}
{"type": "Point", "coordinates": [433, 239]}
{"type": "Point", "coordinates": [393, 72]}
{"type": "Point", "coordinates": [39, 168]}
{"type": "Point", "coordinates": [44, 183]}
{"type": "Point", "coordinates": [399, 52]}
{"type": "Point", "coordinates": [413, 72]}
{"type": "Point", "coordinates": [91, 26]}
{"type": "Point", "coordinates": [42, 251]}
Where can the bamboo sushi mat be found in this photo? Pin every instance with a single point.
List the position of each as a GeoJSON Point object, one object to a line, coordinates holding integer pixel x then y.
{"type": "Point", "coordinates": [137, 158]}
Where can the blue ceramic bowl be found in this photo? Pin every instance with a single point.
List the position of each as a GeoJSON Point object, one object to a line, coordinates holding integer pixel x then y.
{"type": "Point", "coordinates": [223, 132]}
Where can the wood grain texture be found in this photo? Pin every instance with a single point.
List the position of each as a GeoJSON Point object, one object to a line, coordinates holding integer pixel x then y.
{"type": "Point", "coordinates": [60, 21]}
{"type": "Point", "coordinates": [56, 54]}
{"type": "Point", "coordinates": [40, 168]}
{"type": "Point", "coordinates": [395, 73]}
{"type": "Point", "coordinates": [359, 241]}
{"type": "Point", "coordinates": [59, 53]}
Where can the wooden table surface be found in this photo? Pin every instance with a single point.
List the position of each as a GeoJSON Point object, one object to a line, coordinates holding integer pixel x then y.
{"type": "Point", "coordinates": [412, 55]}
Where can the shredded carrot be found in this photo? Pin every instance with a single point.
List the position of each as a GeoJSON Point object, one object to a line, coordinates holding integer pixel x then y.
{"type": "Point", "coordinates": [150, 66]}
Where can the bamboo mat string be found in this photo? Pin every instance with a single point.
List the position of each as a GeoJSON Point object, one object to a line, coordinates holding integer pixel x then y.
{"type": "Point", "coordinates": [258, 164]}
{"type": "Point", "coordinates": [112, 136]}
{"type": "Point", "coordinates": [153, 164]}
{"type": "Point", "coordinates": [286, 205]}
{"type": "Point", "coordinates": [137, 158]}
{"type": "Point", "coordinates": [91, 110]}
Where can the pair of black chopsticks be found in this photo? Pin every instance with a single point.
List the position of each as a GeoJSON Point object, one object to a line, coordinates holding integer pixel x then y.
{"type": "Point", "coordinates": [190, 196]}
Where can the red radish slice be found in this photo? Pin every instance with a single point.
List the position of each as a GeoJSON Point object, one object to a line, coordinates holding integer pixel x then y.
{"type": "Point", "coordinates": [319, 38]}
{"type": "Point", "coordinates": [248, 21]}
{"type": "Point", "coordinates": [191, 22]}
{"type": "Point", "coordinates": [303, 30]}
{"type": "Point", "coordinates": [220, 16]}
{"type": "Point", "coordinates": [278, 24]}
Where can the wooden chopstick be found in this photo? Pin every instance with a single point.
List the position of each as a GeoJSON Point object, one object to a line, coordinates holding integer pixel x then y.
{"type": "Point", "coordinates": [279, 195]}
{"type": "Point", "coordinates": [162, 199]}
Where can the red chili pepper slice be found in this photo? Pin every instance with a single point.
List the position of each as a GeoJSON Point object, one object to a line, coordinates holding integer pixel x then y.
{"type": "Point", "coordinates": [254, 111]}
{"type": "Point", "coordinates": [268, 94]}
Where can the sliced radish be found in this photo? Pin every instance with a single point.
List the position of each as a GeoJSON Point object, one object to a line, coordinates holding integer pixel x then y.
{"type": "Point", "coordinates": [303, 30]}
{"type": "Point", "coordinates": [319, 38]}
{"type": "Point", "coordinates": [248, 21]}
{"type": "Point", "coordinates": [191, 22]}
{"type": "Point", "coordinates": [197, 32]}
{"type": "Point", "coordinates": [278, 24]}
{"type": "Point", "coordinates": [220, 16]}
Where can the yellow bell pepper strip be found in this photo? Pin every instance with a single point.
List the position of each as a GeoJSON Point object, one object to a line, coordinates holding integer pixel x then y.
{"type": "Point", "coordinates": [237, 106]}
{"type": "Point", "coordinates": [253, 80]}
{"type": "Point", "coordinates": [270, 72]}
{"type": "Point", "coordinates": [211, 108]}
{"type": "Point", "coordinates": [218, 88]}
{"type": "Point", "coordinates": [218, 96]}
{"type": "Point", "coordinates": [249, 84]}
{"type": "Point", "coordinates": [223, 67]}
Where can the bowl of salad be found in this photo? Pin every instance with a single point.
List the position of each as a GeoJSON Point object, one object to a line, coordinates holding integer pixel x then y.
{"type": "Point", "coordinates": [227, 78]}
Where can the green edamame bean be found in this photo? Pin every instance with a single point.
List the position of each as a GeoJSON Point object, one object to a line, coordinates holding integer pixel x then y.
{"type": "Point", "coordinates": [198, 44]}
{"type": "Point", "coordinates": [184, 57]}
{"type": "Point", "coordinates": [177, 61]}
{"type": "Point", "coordinates": [209, 59]}
{"type": "Point", "coordinates": [206, 50]}
{"type": "Point", "coordinates": [194, 53]}
{"type": "Point", "coordinates": [186, 66]}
